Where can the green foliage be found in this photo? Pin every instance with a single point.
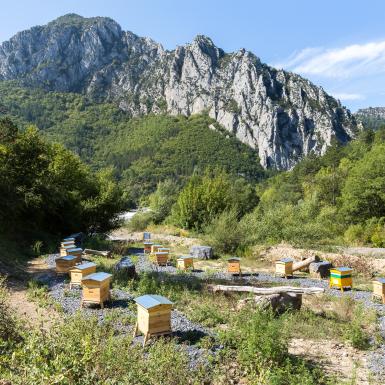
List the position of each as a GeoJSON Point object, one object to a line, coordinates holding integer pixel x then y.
{"type": "Point", "coordinates": [140, 221]}
{"type": "Point", "coordinates": [47, 191]}
{"type": "Point", "coordinates": [224, 233]}
{"type": "Point", "coordinates": [207, 196]}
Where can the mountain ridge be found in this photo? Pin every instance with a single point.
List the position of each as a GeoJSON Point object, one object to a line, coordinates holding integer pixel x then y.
{"type": "Point", "coordinates": [280, 114]}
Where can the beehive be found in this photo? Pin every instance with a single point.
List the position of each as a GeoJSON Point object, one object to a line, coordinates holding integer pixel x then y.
{"type": "Point", "coordinates": [341, 277]}
{"type": "Point", "coordinates": [185, 262]}
{"type": "Point", "coordinates": [65, 264]}
{"type": "Point", "coordinates": [154, 316]}
{"type": "Point", "coordinates": [77, 252]}
{"type": "Point", "coordinates": [164, 250]}
{"type": "Point", "coordinates": [65, 247]}
{"type": "Point", "coordinates": [69, 239]}
{"type": "Point", "coordinates": [154, 248]}
{"type": "Point", "coordinates": [379, 288]}
{"type": "Point", "coordinates": [284, 267]}
{"type": "Point", "coordinates": [234, 265]}
{"type": "Point", "coordinates": [161, 258]}
{"type": "Point", "coordinates": [79, 271]}
{"type": "Point", "coordinates": [146, 236]}
{"type": "Point", "coordinates": [68, 243]}
{"type": "Point", "coordinates": [147, 247]}
{"type": "Point", "coordinates": [96, 288]}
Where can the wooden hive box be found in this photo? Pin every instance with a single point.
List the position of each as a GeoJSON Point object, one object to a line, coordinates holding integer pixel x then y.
{"type": "Point", "coordinates": [77, 252]}
{"type": "Point", "coordinates": [146, 236]}
{"type": "Point", "coordinates": [154, 248]}
{"type": "Point", "coordinates": [96, 288]}
{"type": "Point", "coordinates": [234, 265]}
{"type": "Point", "coordinates": [161, 258]}
{"type": "Point", "coordinates": [379, 288]}
{"type": "Point", "coordinates": [284, 267]}
{"type": "Point", "coordinates": [79, 271]}
{"type": "Point", "coordinates": [185, 262]}
{"type": "Point", "coordinates": [341, 277]}
{"type": "Point", "coordinates": [65, 247]}
{"type": "Point", "coordinates": [65, 264]}
{"type": "Point", "coordinates": [154, 316]}
{"type": "Point", "coordinates": [147, 247]}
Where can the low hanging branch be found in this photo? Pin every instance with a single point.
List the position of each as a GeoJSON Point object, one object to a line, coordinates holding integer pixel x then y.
{"type": "Point", "coordinates": [267, 291]}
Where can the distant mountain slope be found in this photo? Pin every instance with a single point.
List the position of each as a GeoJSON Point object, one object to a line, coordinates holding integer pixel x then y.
{"type": "Point", "coordinates": [371, 117]}
{"type": "Point", "coordinates": [143, 150]}
{"type": "Point", "coordinates": [280, 114]}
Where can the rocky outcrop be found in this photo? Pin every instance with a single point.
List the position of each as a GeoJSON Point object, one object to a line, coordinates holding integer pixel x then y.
{"type": "Point", "coordinates": [280, 114]}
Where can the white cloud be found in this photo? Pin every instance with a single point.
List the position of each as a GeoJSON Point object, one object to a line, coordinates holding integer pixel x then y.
{"type": "Point", "coordinates": [348, 96]}
{"type": "Point", "coordinates": [345, 62]}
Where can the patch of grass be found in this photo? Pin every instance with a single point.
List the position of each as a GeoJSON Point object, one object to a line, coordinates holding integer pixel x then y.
{"type": "Point", "coordinates": [38, 293]}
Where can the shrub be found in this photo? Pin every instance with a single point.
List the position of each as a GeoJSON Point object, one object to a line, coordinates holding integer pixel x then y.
{"type": "Point", "coordinates": [140, 221]}
{"type": "Point", "coordinates": [224, 233]}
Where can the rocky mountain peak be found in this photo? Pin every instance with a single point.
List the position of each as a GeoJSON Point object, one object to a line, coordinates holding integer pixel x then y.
{"type": "Point", "coordinates": [280, 114]}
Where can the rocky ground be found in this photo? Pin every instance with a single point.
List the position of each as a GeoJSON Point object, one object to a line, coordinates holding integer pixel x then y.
{"type": "Point", "coordinates": [186, 331]}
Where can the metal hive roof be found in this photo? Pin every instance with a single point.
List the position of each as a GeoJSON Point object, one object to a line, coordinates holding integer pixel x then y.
{"type": "Point", "coordinates": [68, 258]}
{"type": "Point", "coordinates": [85, 265]}
{"type": "Point", "coordinates": [149, 301]}
{"type": "Point", "coordinates": [101, 276]}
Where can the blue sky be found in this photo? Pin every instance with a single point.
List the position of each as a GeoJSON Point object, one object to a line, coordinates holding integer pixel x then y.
{"type": "Point", "coordinates": [338, 44]}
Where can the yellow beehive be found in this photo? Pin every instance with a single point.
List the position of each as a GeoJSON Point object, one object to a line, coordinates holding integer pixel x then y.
{"type": "Point", "coordinates": [284, 267]}
{"type": "Point", "coordinates": [65, 264]}
{"type": "Point", "coordinates": [79, 271]}
{"type": "Point", "coordinates": [154, 316]}
{"type": "Point", "coordinates": [147, 247]}
{"type": "Point", "coordinates": [341, 277]}
{"type": "Point", "coordinates": [77, 252]}
{"type": "Point", "coordinates": [185, 262]}
{"type": "Point", "coordinates": [96, 288]}
{"type": "Point", "coordinates": [161, 258]}
{"type": "Point", "coordinates": [379, 288]}
{"type": "Point", "coordinates": [234, 266]}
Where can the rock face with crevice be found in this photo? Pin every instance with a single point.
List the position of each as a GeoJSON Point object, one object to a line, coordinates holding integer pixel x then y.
{"type": "Point", "coordinates": [280, 114]}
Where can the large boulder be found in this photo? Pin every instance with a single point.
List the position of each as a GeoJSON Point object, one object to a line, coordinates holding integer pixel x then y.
{"type": "Point", "coordinates": [279, 303]}
{"type": "Point", "coordinates": [202, 252]}
{"type": "Point", "coordinates": [125, 267]}
{"type": "Point", "coordinates": [320, 269]}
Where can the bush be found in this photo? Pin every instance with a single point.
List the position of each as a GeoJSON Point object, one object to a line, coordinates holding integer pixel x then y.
{"type": "Point", "coordinates": [224, 233]}
{"type": "Point", "coordinates": [140, 221]}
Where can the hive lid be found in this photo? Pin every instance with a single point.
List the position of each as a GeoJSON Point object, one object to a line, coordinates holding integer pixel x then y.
{"type": "Point", "coordinates": [234, 259]}
{"type": "Point", "coordinates": [342, 268]}
{"type": "Point", "coordinates": [68, 258]}
{"type": "Point", "coordinates": [286, 260]}
{"type": "Point", "coordinates": [74, 249]}
{"type": "Point", "coordinates": [149, 301]}
{"type": "Point", "coordinates": [185, 257]}
{"type": "Point", "coordinates": [147, 243]}
{"type": "Point", "coordinates": [163, 248]}
{"type": "Point", "coordinates": [161, 252]}
{"type": "Point", "coordinates": [101, 276]}
{"type": "Point", "coordinates": [382, 280]}
{"type": "Point", "coordinates": [68, 239]}
{"type": "Point", "coordinates": [84, 266]}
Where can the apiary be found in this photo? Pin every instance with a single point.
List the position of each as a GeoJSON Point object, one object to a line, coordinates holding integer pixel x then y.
{"type": "Point", "coordinates": [147, 247]}
{"type": "Point", "coordinates": [341, 277]}
{"type": "Point", "coordinates": [379, 288]}
{"type": "Point", "coordinates": [65, 264]}
{"type": "Point", "coordinates": [146, 236]}
{"type": "Point", "coordinates": [185, 262]}
{"type": "Point", "coordinates": [79, 271]}
{"type": "Point", "coordinates": [154, 316]}
{"type": "Point", "coordinates": [284, 267]}
{"type": "Point", "coordinates": [234, 265]}
{"type": "Point", "coordinates": [96, 288]}
{"type": "Point", "coordinates": [161, 258]}
{"type": "Point", "coordinates": [77, 252]}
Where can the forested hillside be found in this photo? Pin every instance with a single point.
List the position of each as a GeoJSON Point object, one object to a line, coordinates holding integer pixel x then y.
{"type": "Point", "coordinates": [143, 150]}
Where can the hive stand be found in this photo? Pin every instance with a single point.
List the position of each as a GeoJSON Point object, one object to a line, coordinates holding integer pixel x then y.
{"type": "Point", "coordinates": [284, 267]}
{"type": "Point", "coordinates": [379, 289]}
{"type": "Point", "coordinates": [341, 277]}
{"type": "Point", "coordinates": [234, 266]}
{"type": "Point", "coordinates": [96, 289]}
{"type": "Point", "coordinates": [154, 316]}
